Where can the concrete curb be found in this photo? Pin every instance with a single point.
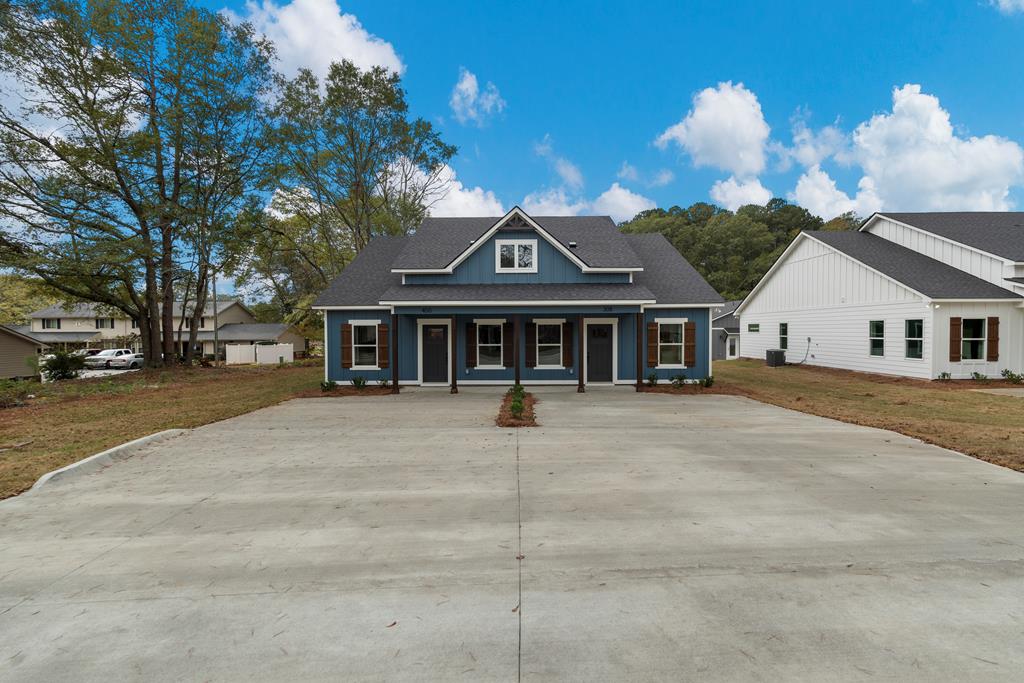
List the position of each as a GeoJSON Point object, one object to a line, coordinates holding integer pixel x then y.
{"type": "Point", "coordinates": [97, 462]}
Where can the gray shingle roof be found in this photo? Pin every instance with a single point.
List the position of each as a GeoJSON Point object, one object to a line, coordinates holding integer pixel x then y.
{"type": "Point", "coordinates": [931, 278]}
{"type": "Point", "coordinates": [365, 279]}
{"type": "Point", "coordinates": [996, 232]}
{"type": "Point", "coordinates": [22, 331]}
{"type": "Point", "coordinates": [438, 241]}
{"type": "Point", "coordinates": [57, 336]}
{"type": "Point", "coordinates": [667, 274]}
{"type": "Point", "coordinates": [540, 292]}
{"type": "Point", "coordinates": [242, 332]}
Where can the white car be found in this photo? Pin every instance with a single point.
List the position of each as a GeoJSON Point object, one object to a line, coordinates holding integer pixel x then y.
{"type": "Point", "coordinates": [129, 362]}
{"type": "Point", "coordinates": [105, 358]}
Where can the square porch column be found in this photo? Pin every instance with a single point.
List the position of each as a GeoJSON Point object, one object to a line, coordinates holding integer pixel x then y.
{"type": "Point", "coordinates": [579, 343]}
{"type": "Point", "coordinates": [639, 350]}
{"type": "Point", "coordinates": [455, 355]}
{"type": "Point", "coordinates": [394, 353]}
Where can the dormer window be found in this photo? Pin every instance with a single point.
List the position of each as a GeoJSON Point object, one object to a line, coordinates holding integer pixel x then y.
{"type": "Point", "coordinates": [515, 256]}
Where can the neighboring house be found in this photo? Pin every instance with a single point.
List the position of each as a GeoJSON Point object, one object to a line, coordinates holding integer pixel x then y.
{"type": "Point", "coordinates": [93, 326]}
{"type": "Point", "coordinates": [725, 332]}
{"type": "Point", "coordinates": [16, 348]}
{"type": "Point", "coordinates": [541, 300]}
{"type": "Point", "coordinates": [913, 294]}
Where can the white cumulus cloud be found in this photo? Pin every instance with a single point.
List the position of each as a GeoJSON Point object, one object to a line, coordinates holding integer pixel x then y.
{"type": "Point", "coordinates": [1008, 6]}
{"type": "Point", "coordinates": [628, 172]}
{"type": "Point", "coordinates": [620, 203]}
{"type": "Point", "coordinates": [662, 178]}
{"type": "Point", "coordinates": [552, 202]}
{"type": "Point", "coordinates": [816, 191]}
{"type": "Point", "coordinates": [733, 193]}
{"type": "Point", "coordinates": [724, 129]}
{"type": "Point", "coordinates": [569, 172]}
{"type": "Point", "coordinates": [617, 202]}
{"type": "Point", "coordinates": [455, 199]}
{"type": "Point", "coordinates": [471, 105]}
{"type": "Point", "coordinates": [314, 33]}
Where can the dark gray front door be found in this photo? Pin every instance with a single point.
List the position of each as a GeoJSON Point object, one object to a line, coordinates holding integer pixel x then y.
{"type": "Point", "coordinates": [435, 353]}
{"type": "Point", "coordinates": [599, 353]}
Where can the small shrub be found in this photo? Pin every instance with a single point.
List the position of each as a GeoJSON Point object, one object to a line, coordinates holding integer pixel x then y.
{"type": "Point", "coordinates": [652, 379]}
{"type": "Point", "coordinates": [516, 408]}
{"type": "Point", "coordinates": [1013, 377]}
{"type": "Point", "coordinates": [678, 381]}
{"type": "Point", "coordinates": [945, 377]}
{"type": "Point", "coordinates": [62, 365]}
{"type": "Point", "coordinates": [329, 385]}
{"type": "Point", "coordinates": [383, 382]}
{"type": "Point", "coordinates": [359, 382]}
{"type": "Point", "coordinates": [979, 377]}
{"type": "Point", "coordinates": [14, 392]}
{"type": "Point", "coordinates": [708, 382]}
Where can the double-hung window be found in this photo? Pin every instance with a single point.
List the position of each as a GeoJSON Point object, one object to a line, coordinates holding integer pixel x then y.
{"type": "Point", "coordinates": [670, 344]}
{"type": "Point", "coordinates": [914, 339]}
{"type": "Point", "coordinates": [973, 339]}
{"type": "Point", "coordinates": [51, 323]}
{"type": "Point", "coordinates": [783, 335]}
{"type": "Point", "coordinates": [104, 323]}
{"type": "Point", "coordinates": [549, 345]}
{"type": "Point", "coordinates": [515, 256]}
{"type": "Point", "coordinates": [876, 337]}
{"type": "Point", "coordinates": [488, 345]}
{"type": "Point", "coordinates": [364, 346]}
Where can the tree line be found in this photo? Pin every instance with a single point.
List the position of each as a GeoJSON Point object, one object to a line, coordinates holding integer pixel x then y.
{"type": "Point", "coordinates": [732, 250]}
{"type": "Point", "coordinates": [148, 138]}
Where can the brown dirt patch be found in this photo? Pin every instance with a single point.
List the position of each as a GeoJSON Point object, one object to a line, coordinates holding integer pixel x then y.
{"type": "Point", "coordinates": [506, 419]}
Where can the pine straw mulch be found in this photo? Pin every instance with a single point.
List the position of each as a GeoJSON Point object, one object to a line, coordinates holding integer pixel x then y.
{"type": "Point", "coordinates": [505, 418]}
{"type": "Point", "coordinates": [345, 390]}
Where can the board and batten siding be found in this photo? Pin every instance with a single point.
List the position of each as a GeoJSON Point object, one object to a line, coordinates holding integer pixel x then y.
{"type": "Point", "coordinates": [823, 294]}
{"type": "Point", "coordinates": [989, 268]}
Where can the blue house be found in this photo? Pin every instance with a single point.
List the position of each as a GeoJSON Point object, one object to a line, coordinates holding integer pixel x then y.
{"type": "Point", "coordinates": [532, 300]}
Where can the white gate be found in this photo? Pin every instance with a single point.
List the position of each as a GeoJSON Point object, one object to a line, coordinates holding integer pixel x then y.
{"type": "Point", "coordinates": [272, 354]}
{"type": "Point", "coordinates": [239, 354]}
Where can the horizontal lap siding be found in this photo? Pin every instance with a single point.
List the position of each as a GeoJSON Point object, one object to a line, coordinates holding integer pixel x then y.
{"type": "Point", "coordinates": [1011, 339]}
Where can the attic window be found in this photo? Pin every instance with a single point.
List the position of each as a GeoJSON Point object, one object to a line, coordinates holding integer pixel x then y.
{"type": "Point", "coordinates": [515, 256]}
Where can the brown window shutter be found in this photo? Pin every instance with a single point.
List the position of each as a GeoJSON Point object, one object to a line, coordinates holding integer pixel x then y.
{"type": "Point", "coordinates": [382, 346]}
{"type": "Point", "coordinates": [346, 346]}
{"type": "Point", "coordinates": [508, 346]}
{"type": "Point", "coordinates": [992, 350]}
{"type": "Point", "coordinates": [471, 345]}
{"type": "Point", "coordinates": [955, 337]}
{"type": "Point", "coordinates": [690, 344]}
{"type": "Point", "coordinates": [652, 344]}
{"type": "Point", "coordinates": [567, 345]}
{"type": "Point", "coordinates": [531, 345]}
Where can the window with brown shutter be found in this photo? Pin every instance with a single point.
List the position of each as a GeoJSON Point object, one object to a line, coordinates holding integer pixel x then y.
{"type": "Point", "coordinates": [992, 354]}
{"type": "Point", "coordinates": [690, 344]}
{"type": "Point", "coordinates": [382, 346]}
{"type": "Point", "coordinates": [508, 347]}
{"type": "Point", "coordinates": [955, 339]}
{"type": "Point", "coordinates": [567, 345]}
{"type": "Point", "coordinates": [470, 345]}
{"type": "Point", "coordinates": [346, 346]}
{"type": "Point", "coordinates": [531, 345]}
{"type": "Point", "coordinates": [652, 345]}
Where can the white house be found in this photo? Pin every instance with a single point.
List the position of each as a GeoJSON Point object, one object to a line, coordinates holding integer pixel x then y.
{"type": "Point", "coordinates": [913, 294]}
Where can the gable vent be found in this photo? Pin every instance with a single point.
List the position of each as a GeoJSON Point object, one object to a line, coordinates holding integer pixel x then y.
{"type": "Point", "coordinates": [572, 245]}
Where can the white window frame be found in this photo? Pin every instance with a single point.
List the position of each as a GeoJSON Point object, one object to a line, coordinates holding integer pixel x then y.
{"type": "Point", "coordinates": [500, 322]}
{"type": "Point", "coordinates": [682, 343]}
{"type": "Point", "coordinates": [376, 344]}
{"type": "Point", "coordinates": [107, 323]}
{"type": "Point", "coordinates": [910, 339]}
{"type": "Point", "coordinates": [51, 323]}
{"type": "Point", "coordinates": [560, 322]}
{"type": "Point", "coordinates": [983, 339]}
{"type": "Point", "coordinates": [873, 338]}
{"type": "Point", "coordinates": [498, 244]}
{"type": "Point", "coordinates": [784, 346]}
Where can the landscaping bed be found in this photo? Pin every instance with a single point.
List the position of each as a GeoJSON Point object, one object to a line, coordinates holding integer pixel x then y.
{"type": "Point", "coordinates": [948, 414]}
{"type": "Point", "coordinates": [517, 409]}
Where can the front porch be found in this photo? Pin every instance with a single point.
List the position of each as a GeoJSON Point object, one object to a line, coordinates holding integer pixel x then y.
{"type": "Point", "coordinates": [453, 347]}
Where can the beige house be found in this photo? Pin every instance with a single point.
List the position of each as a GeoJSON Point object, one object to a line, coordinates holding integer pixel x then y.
{"type": "Point", "coordinates": [94, 326]}
{"type": "Point", "coordinates": [16, 348]}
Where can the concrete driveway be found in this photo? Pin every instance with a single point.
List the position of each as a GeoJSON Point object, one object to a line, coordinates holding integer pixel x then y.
{"type": "Point", "coordinates": [670, 538]}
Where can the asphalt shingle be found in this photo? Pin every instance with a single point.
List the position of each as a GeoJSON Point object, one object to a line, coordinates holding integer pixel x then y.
{"type": "Point", "coordinates": [997, 232]}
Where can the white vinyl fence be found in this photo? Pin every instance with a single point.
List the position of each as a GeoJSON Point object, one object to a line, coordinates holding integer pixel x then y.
{"type": "Point", "coordinates": [261, 354]}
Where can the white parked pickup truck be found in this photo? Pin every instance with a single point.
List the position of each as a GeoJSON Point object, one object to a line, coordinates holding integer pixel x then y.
{"type": "Point", "coordinates": [105, 358]}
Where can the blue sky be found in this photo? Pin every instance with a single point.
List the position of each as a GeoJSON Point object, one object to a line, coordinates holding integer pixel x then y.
{"type": "Point", "coordinates": [583, 107]}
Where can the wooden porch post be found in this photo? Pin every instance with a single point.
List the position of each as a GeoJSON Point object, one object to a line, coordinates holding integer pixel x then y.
{"type": "Point", "coordinates": [583, 361]}
{"type": "Point", "coordinates": [639, 350]}
{"type": "Point", "coordinates": [515, 347]}
{"type": "Point", "coordinates": [394, 353]}
{"type": "Point", "coordinates": [455, 354]}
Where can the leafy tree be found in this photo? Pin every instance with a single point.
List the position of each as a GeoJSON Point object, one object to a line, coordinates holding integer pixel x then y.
{"type": "Point", "coordinates": [20, 296]}
{"type": "Point", "coordinates": [733, 250]}
{"type": "Point", "coordinates": [131, 183]}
